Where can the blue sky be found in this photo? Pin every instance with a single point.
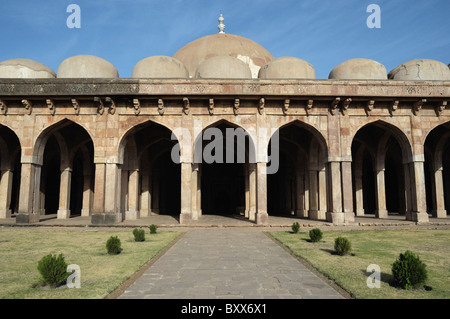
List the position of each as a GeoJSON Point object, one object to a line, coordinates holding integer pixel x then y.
{"type": "Point", "coordinates": [322, 32]}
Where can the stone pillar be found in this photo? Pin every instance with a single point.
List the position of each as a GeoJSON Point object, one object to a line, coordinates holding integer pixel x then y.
{"type": "Point", "coordinates": [313, 212]}
{"type": "Point", "coordinates": [300, 196]}
{"type": "Point", "coordinates": [347, 191]}
{"type": "Point", "coordinates": [419, 213]}
{"type": "Point", "coordinates": [322, 199]}
{"type": "Point", "coordinates": [64, 193]}
{"type": "Point", "coordinates": [262, 218]}
{"type": "Point", "coordinates": [334, 214]}
{"type": "Point", "coordinates": [145, 196]}
{"type": "Point", "coordinates": [438, 195]}
{"type": "Point", "coordinates": [247, 190]}
{"type": "Point", "coordinates": [6, 179]}
{"type": "Point", "coordinates": [29, 198]}
{"type": "Point", "coordinates": [87, 195]}
{"type": "Point", "coordinates": [194, 185]}
{"type": "Point", "coordinates": [199, 192]}
{"type": "Point", "coordinates": [132, 213]}
{"type": "Point", "coordinates": [381, 211]}
{"type": "Point", "coordinates": [252, 192]}
{"type": "Point", "coordinates": [155, 194]}
{"type": "Point", "coordinates": [186, 193]}
{"type": "Point", "coordinates": [408, 190]}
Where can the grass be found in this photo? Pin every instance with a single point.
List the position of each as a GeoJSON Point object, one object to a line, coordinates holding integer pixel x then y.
{"type": "Point", "coordinates": [21, 249]}
{"type": "Point", "coordinates": [381, 247]}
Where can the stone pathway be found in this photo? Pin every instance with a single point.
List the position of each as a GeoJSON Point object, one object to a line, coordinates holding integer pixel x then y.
{"type": "Point", "coordinates": [228, 263]}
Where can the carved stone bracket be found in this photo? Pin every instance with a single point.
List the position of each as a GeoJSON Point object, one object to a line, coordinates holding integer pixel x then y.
{"type": "Point", "coordinates": [393, 107]}
{"type": "Point", "coordinates": [211, 107]}
{"type": "Point", "coordinates": [161, 106]}
{"type": "Point", "coordinates": [286, 105]}
{"type": "Point", "coordinates": [236, 105]}
{"type": "Point", "coordinates": [346, 105]}
{"type": "Point", "coordinates": [76, 106]}
{"type": "Point", "coordinates": [51, 106]}
{"type": "Point", "coordinates": [3, 107]}
{"type": "Point", "coordinates": [187, 105]}
{"type": "Point", "coordinates": [440, 107]}
{"type": "Point", "coordinates": [100, 106]}
{"type": "Point", "coordinates": [111, 105]}
{"type": "Point", "coordinates": [262, 104]}
{"type": "Point", "coordinates": [309, 106]}
{"type": "Point", "coordinates": [418, 106]}
{"type": "Point", "coordinates": [334, 105]}
{"type": "Point", "coordinates": [137, 106]}
{"type": "Point", "coordinates": [28, 106]}
{"type": "Point", "coordinates": [369, 107]}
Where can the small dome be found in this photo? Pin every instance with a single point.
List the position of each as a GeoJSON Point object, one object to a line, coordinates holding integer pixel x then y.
{"type": "Point", "coordinates": [223, 67]}
{"type": "Point", "coordinates": [86, 66]}
{"type": "Point", "coordinates": [359, 69]}
{"type": "Point", "coordinates": [160, 67]}
{"type": "Point", "coordinates": [195, 52]}
{"type": "Point", "coordinates": [287, 68]}
{"type": "Point", "coordinates": [25, 69]}
{"type": "Point", "coordinates": [421, 70]}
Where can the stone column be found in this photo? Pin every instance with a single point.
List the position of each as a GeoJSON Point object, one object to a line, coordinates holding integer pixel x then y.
{"type": "Point", "coordinates": [313, 212]}
{"type": "Point", "coordinates": [133, 196]}
{"type": "Point", "coordinates": [381, 211]}
{"type": "Point", "coordinates": [359, 195]}
{"type": "Point", "coordinates": [438, 195]}
{"type": "Point", "coordinates": [87, 195]}
{"type": "Point", "coordinates": [334, 214]}
{"type": "Point", "coordinates": [155, 194]}
{"type": "Point", "coordinates": [64, 193]}
{"type": "Point", "coordinates": [5, 193]}
{"type": "Point", "coordinates": [347, 191]}
{"type": "Point", "coordinates": [252, 192]}
{"type": "Point", "coordinates": [408, 190]}
{"type": "Point", "coordinates": [322, 189]}
{"type": "Point", "coordinates": [419, 197]}
{"type": "Point", "coordinates": [106, 190]}
{"type": "Point", "coordinates": [145, 196]}
{"type": "Point", "coordinates": [300, 196]}
{"type": "Point", "coordinates": [29, 198]}
{"type": "Point", "coordinates": [262, 218]}
{"type": "Point", "coordinates": [247, 191]}
{"type": "Point", "coordinates": [199, 192]}
{"type": "Point", "coordinates": [194, 186]}
{"type": "Point", "coordinates": [186, 193]}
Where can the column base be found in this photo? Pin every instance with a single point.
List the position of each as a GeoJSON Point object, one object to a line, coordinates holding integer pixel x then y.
{"type": "Point", "coordinates": [106, 219]}
{"type": "Point", "coordinates": [420, 217]}
{"type": "Point", "coordinates": [5, 213]}
{"type": "Point", "coordinates": [360, 212]}
{"type": "Point", "coordinates": [132, 215]}
{"type": "Point", "coordinates": [63, 214]}
{"type": "Point", "coordinates": [144, 213]}
{"type": "Point", "coordinates": [25, 218]}
{"type": "Point", "coordinates": [442, 213]}
{"type": "Point", "coordinates": [317, 215]}
{"type": "Point", "coordinates": [383, 213]}
{"type": "Point", "coordinates": [252, 215]}
{"type": "Point", "coordinates": [85, 212]}
{"type": "Point", "coordinates": [340, 218]}
{"type": "Point", "coordinates": [185, 218]}
{"type": "Point", "coordinates": [262, 218]}
{"type": "Point", "coordinates": [301, 213]}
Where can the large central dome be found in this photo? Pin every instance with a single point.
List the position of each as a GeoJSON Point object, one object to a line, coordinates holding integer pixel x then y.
{"type": "Point", "coordinates": [246, 50]}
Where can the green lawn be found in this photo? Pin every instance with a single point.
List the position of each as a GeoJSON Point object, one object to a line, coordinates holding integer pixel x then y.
{"type": "Point", "coordinates": [380, 247]}
{"type": "Point", "coordinates": [21, 249]}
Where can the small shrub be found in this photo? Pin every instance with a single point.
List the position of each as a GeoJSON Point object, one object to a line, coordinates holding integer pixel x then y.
{"type": "Point", "coordinates": [409, 270]}
{"type": "Point", "coordinates": [153, 228]}
{"type": "Point", "coordinates": [139, 234]}
{"type": "Point", "coordinates": [113, 245]}
{"type": "Point", "coordinates": [295, 227]}
{"type": "Point", "coordinates": [342, 246]}
{"type": "Point", "coordinates": [315, 235]}
{"type": "Point", "coordinates": [53, 270]}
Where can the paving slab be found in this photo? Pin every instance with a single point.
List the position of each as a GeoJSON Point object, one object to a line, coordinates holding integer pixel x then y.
{"type": "Point", "coordinates": [215, 263]}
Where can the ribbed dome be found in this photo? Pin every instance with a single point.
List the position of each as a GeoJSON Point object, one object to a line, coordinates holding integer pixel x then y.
{"type": "Point", "coordinates": [287, 68]}
{"type": "Point", "coordinates": [160, 67]}
{"type": "Point", "coordinates": [25, 69]}
{"type": "Point", "coordinates": [86, 66]}
{"type": "Point", "coordinates": [421, 70]}
{"type": "Point", "coordinates": [359, 69]}
{"type": "Point", "coordinates": [223, 67]}
{"type": "Point", "coordinates": [198, 51]}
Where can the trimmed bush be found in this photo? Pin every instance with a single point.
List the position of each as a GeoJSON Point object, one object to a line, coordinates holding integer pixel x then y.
{"type": "Point", "coordinates": [315, 235]}
{"type": "Point", "coordinates": [409, 270]}
{"type": "Point", "coordinates": [342, 246]}
{"type": "Point", "coordinates": [113, 245]}
{"type": "Point", "coordinates": [295, 227]}
{"type": "Point", "coordinates": [153, 228]}
{"type": "Point", "coordinates": [53, 270]}
{"type": "Point", "coordinates": [139, 234]}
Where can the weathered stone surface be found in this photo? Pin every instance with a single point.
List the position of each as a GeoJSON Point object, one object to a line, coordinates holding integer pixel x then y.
{"type": "Point", "coordinates": [225, 67]}
{"type": "Point", "coordinates": [25, 69]}
{"type": "Point", "coordinates": [86, 66]}
{"type": "Point", "coordinates": [287, 68]}
{"type": "Point", "coordinates": [160, 67]}
{"type": "Point", "coordinates": [421, 70]}
{"type": "Point", "coordinates": [359, 69]}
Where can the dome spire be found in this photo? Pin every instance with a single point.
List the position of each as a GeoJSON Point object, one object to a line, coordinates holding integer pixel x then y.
{"type": "Point", "coordinates": [221, 26]}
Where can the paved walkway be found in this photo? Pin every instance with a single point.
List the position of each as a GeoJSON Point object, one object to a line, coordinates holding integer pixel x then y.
{"type": "Point", "coordinates": [228, 263]}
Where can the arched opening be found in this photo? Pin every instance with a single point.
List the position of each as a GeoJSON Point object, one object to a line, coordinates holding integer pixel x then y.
{"type": "Point", "coordinates": [10, 170]}
{"type": "Point", "coordinates": [150, 177]}
{"type": "Point", "coordinates": [223, 177]}
{"type": "Point", "coordinates": [298, 187]}
{"type": "Point", "coordinates": [379, 172]}
{"type": "Point", "coordinates": [437, 171]}
{"type": "Point", "coordinates": [66, 152]}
